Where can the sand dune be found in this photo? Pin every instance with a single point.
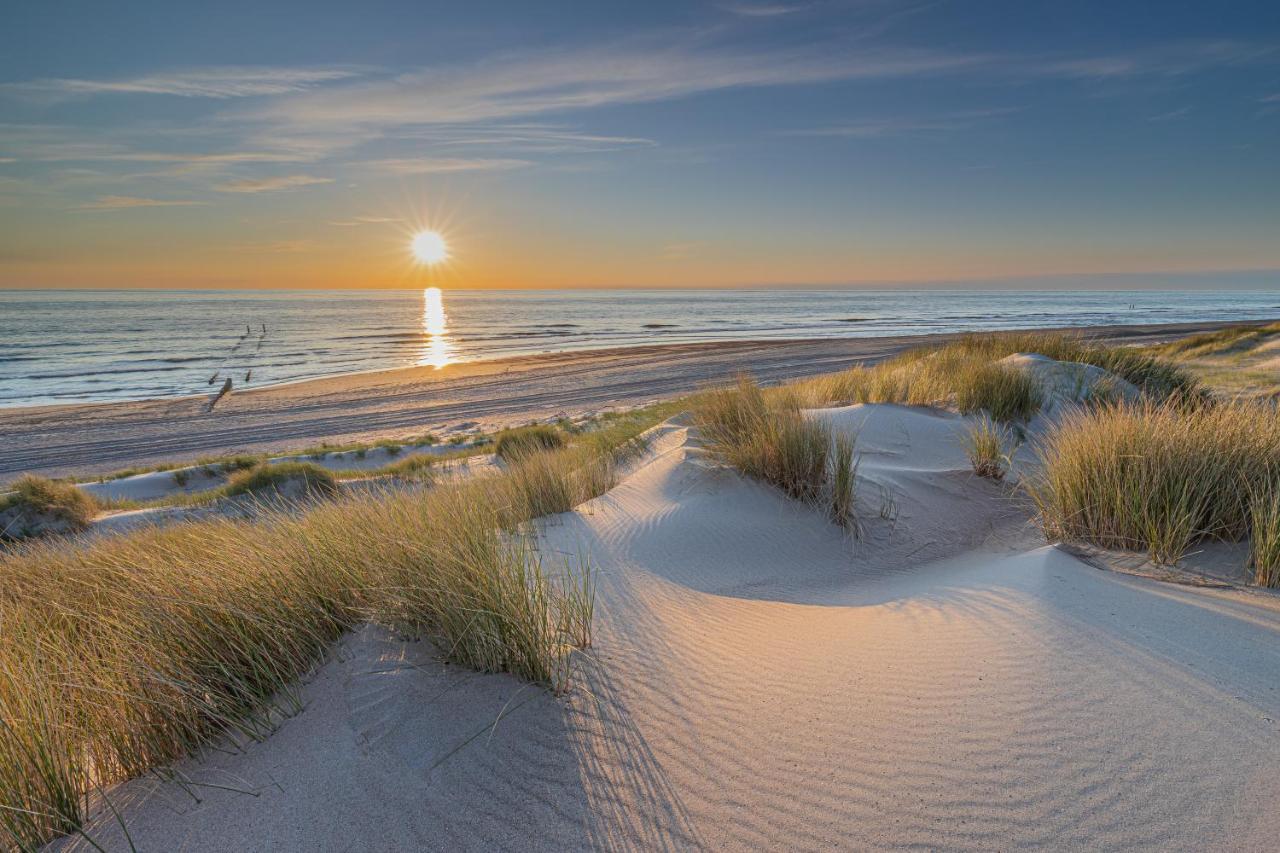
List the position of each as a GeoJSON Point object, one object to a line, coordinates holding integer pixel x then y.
{"type": "Point", "coordinates": [759, 680]}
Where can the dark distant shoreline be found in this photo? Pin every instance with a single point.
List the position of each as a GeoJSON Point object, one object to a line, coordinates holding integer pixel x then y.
{"type": "Point", "coordinates": [91, 438]}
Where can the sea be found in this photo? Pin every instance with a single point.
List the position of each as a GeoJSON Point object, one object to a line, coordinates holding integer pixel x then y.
{"type": "Point", "coordinates": [63, 346]}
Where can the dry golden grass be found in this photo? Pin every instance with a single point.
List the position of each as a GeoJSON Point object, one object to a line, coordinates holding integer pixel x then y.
{"type": "Point", "coordinates": [1264, 534]}
{"type": "Point", "coordinates": [1222, 342]}
{"type": "Point", "coordinates": [518, 442]}
{"type": "Point", "coordinates": [40, 496]}
{"type": "Point", "coordinates": [266, 478]}
{"type": "Point", "coordinates": [128, 652]}
{"type": "Point", "coordinates": [767, 436]}
{"type": "Point", "coordinates": [985, 445]}
{"type": "Point", "coordinates": [1157, 477]}
{"type": "Point", "coordinates": [965, 375]}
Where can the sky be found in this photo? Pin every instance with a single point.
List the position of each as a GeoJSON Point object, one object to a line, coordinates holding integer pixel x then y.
{"type": "Point", "coordinates": [776, 143]}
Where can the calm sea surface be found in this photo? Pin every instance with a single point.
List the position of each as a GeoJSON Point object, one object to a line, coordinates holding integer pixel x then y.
{"type": "Point", "coordinates": [84, 346]}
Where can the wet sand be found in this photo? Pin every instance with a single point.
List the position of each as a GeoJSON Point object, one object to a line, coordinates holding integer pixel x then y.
{"type": "Point", "coordinates": [99, 438]}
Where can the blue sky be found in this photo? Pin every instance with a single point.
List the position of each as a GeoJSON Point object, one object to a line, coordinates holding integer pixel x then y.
{"type": "Point", "coordinates": [636, 144]}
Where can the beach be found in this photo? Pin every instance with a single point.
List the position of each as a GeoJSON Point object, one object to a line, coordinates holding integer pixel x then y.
{"type": "Point", "coordinates": [90, 439]}
{"type": "Point", "coordinates": [759, 679]}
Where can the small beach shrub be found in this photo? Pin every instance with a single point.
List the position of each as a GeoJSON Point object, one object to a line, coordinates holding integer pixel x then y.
{"type": "Point", "coordinates": [181, 476]}
{"type": "Point", "coordinates": [1156, 476]}
{"type": "Point", "coordinates": [984, 444]}
{"type": "Point", "coordinates": [419, 468]}
{"type": "Point", "coordinates": [39, 496]}
{"type": "Point", "coordinates": [267, 477]}
{"type": "Point", "coordinates": [213, 466]}
{"type": "Point", "coordinates": [512, 444]}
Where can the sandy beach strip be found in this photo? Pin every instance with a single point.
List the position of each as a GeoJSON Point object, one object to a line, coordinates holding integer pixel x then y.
{"type": "Point", "coordinates": [99, 438]}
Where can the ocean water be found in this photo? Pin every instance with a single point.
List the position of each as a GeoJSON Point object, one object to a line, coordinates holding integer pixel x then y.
{"type": "Point", "coordinates": [88, 346]}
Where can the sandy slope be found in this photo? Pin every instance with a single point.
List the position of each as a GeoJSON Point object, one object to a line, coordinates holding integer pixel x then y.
{"type": "Point", "coordinates": [760, 681]}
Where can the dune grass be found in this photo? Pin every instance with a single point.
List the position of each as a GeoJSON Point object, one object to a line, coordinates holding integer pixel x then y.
{"type": "Point", "coordinates": [966, 375]}
{"type": "Point", "coordinates": [984, 443]}
{"type": "Point", "coordinates": [203, 628]}
{"type": "Point", "coordinates": [39, 496]}
{"type": "Point", "coordinates": [844, 477]}
{"type": "Point", "coordinates": [1264, 535]}
{"type": "Point", "coordinates": [420, 468]}
{"type": "Point", "coordinates": [266, 478]}
{"type": "Point", "coordinates": [1222, 342]}
{"type": "Point", "coordinates": [512, 444]}
{"type": "Point", "coordinates": [942, 377]}
{"type": "Point", "coordinates": [765, 435]}
{"type": "Point", "coordinates": [1157, 476]}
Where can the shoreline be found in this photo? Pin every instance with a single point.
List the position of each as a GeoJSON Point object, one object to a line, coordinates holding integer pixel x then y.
{"type": "Point", "coordinates": [96, 438]}
{"type": "Point", "coordinates": [1149, 332]}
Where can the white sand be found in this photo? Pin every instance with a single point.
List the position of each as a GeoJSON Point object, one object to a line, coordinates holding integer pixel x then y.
{"type": "Point", "coordinates": [759, 681]}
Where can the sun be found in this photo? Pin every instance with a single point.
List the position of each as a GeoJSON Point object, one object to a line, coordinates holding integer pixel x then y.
{"type": "Point", "coordinates": [429, 247]}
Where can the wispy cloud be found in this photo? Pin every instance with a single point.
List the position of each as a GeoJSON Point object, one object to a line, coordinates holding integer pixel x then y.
{"type": "Point", "coordinates": [876, 128]}
{"type": "Point", "coordinates": [357, 221]}
{"type": "Point", "coordinates": [1270, 99]}
{"type": "Point", "coordinates": [513, 87]}
{"type": "Point", "coordinates": [1167, 60]}
{"type": "Point", "coordinates": [1181, 112]}
{"type": "Point", "coordinates": [274, 184]}
{"type": "Point", "coordinates": [126, 202]}
{"type": "Point", "coordinates": [225, 82]}
{"type": "Point", "coordinates": [679, 251]}
{"type": "Point", "coordinates": [281, 247]}
{"type": "Point", "coordinates": [762, 10]}
{"type": "Point", "coordinates": [529, 138]}
{"type": "Point", "coordinates": [436, 165]}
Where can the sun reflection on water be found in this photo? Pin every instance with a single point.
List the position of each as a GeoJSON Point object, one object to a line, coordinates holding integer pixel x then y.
{"type": "Point", "coordinates": [437, 349]}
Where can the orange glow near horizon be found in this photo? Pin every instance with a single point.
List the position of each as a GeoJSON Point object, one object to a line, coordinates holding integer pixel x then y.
{"type": "Point", "coordinates": [437, 351]}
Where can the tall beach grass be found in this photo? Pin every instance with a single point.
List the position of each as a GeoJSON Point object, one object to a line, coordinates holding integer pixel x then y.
{"type": "Point", "coordinates": [765, 435]}
{"type": "Point", "coordinates": [1158, 476]}
{"type": "Point", "coordinates": [128, 652]}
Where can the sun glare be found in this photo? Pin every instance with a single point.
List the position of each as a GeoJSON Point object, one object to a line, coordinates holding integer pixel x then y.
{"type": "Point", "coordinates": [429, 247]}
{"type": "Point", "coordinates": [435, 326]}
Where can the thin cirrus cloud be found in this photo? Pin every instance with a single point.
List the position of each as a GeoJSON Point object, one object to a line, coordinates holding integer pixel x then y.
{"type": "Point", "coordinates": [762, 10]}
{"type": "Point", "coordinates": [225, 82]}
{"type": "Point", "coordinates": [524, 137]}
{"type": "Point", "coordinates": [520, 86]}
{"type": "Point", "coordinates": [127, 202]}
{"type": "Point", "coordinates": [444, 165]}
{"type": "Point", "coordinates": [516, 87]}
{"type": "Point", "coordinates": [274, 184]}
{"type": "Point", "coordinates": [357, 221]}
{"type": "Point", "coordinates": [1166, 60]}
{"type": "Point", "coordinates": [894, 126]}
